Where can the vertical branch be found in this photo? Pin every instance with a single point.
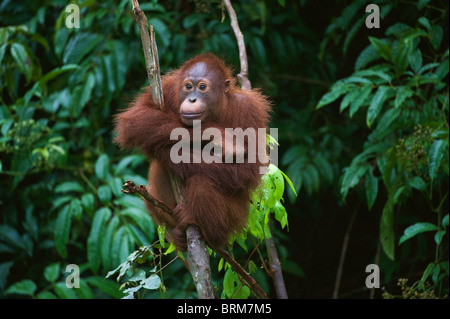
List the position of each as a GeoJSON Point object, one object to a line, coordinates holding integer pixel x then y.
{"type": "Point", "coordinates": [150, 55]}
{"type": "Point", "coordinates": [197, 252]}
{"type": "Point", "coordinates": [243, 75]}
{"type": "Point", "coordinates": [343, 254]}
{"type": "Point", "coordinates": [275, 264]}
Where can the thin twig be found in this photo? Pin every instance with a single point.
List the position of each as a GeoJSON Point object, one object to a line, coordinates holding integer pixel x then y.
{"type": "Point", "coordinates": [243, 75]}
{"type": "Point", "coordinates": [343, 253]}
{"type": "Point", "coordinates": [150, 54]}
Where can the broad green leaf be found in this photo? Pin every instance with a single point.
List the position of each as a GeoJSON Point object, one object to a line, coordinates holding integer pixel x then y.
{"type": "Point", "coordinates": [104, 194]}
{"type": "Point", "coordinates": [351, 178]}
{"type": "Point", "coordinates": [95, 238]}
{"type": "Point", "coordinates": [76, 208]}
{"type": "Point", "coordinates": [107, 243]}
{"type": "Point", "coordinates": [87, 200]}
{"type": "Point", "coordinates": [367, 55]}
{"type": "Point", "coordinates": [348, 98]}
{"type": "Point", "coordinates": [82, 94]}
{"type": "Point", "coordinates": [152, 282]}
{"type": "Point", "coordinates": [69, 187]}
{"type": "Point", "coordinates": [228, 282]}
{"type": "Point", "coordinates": [23, 287]}
{"type": "Point", "coordinates": [437, 33]}
{"type": "Point", "coordinates": [19, 53]}
{"type": "Point", "coordinates": [335, 92]}
{"type": "Point", "coordinates": [445, 221]}
{"type": "Point", "coordinates": [371, 185]}
{"type": "Point", "coordinates": [102, 167]}
{"type": "Point", "coordinates": [438, 236]}
{"type": "Point", "coordinates": [52, 271]}
{"type": "Point", "coordinates": [402, 93]}
{"type": "Point", "coordinates": [415, 61]}
{"type": "Point", "coordinates": [360, 99]}
{"type": "Point", "coordinates": [80, 45]}
{"type": "Point", "coordinates": [418, 183]}
{"type": "Point", "coordinates": [435, 156]}
{"type": "Point", "coordinates": [62, 230]}
{"type": "Point", "coordinates": [383, 48]}
{"type": "Point", "coordinates": [416, 229]}
{"type": "Point", "coordinates": [376, 104]}
{"type": "Point", "coordinates": [387, 235]}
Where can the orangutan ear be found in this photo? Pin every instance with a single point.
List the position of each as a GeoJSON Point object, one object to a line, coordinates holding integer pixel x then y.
{"type": "Point", "coordinates": [227, 86]}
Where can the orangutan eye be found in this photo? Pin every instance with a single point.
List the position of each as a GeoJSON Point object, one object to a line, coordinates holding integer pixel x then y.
{"type": "Point", "coordinates": [188, 86]}
{"type": "Point", "coordinates": [202, 87]}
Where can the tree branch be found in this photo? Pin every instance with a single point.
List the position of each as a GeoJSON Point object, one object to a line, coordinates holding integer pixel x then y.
{"type": "Point", "coordinates": [275, 265]}
{"type": "Point", "coordinates": [243, 75]}
{"type": "Point", "coordinates": [150, 54]}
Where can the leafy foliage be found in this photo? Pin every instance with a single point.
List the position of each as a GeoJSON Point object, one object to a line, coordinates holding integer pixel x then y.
{"type": "Point", "coordinates": [403, 85]}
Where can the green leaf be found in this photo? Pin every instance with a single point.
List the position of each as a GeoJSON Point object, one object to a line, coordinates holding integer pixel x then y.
{"type": "Point", "coordinates": [348, 98]}
{"type": "Point", "coordinates": [360, 99]}
{"type": "Point", "coordinates": [23, 287]}
{"type": "Point", "coordinates": [80, 45]}
{"type": "Point", "coordinates": [383, 48]}
{"type": "Point", "coordinates": [402, 93]}
{"type": "Point", "coordinates": [51, 272]}
{"type": "Point", "coordinates": [371, 185]}
{"type": "Point", "coordinates": [437, 33]}
{"type": "Point", "coordinates": [416, 229]}
{"type": "Point", "coordinates": [228, 282]}
{"type": "Point", "coordinates": [445, 221]}
{"type": "Point", "coordinates": [76, 208]}
{"type": "Point", "coordinates": [435, 156]}
{"type": "Point", "coordinates": [87, 200]}
{"type": "Point", "coordinates": [438, 236]}
{"type": "Point", "coordinates": [335, 92]}
{"type": "Point", "coordinates": [107, 243]}
{"type": "Point", "coordinates": [367, 55]}
{"type": "Point", "coordinates": [82, 94]}
{"type": "Point", "coordinates": [102, 167]}
{"type": "Point", "coordinates": [152, 282]}
{"type": "Point", "coordinates": [415, 61]}
{"type": "Point", "coordinates": [95, 238]}
{"type": "Point", "coordinates": [387, 235]}
{"type": "Point", "coordinates": [19, 53]}
{"type": "Point", "coordinates": [104, 194]}
{"type": "Point", "coordinates": [62, 230]}
{"type": "Point", "coordinates": [351, 177]}
{"type": "Point", "coordinates": [376, 104]}
{"type": "Point", "coordinates": [69, 187]}
{"type": "Point", "coordinates": [418, 183]}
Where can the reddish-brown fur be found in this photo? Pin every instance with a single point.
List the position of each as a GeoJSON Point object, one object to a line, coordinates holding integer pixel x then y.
{"type": "Point", "coordinates": [217, 194]}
